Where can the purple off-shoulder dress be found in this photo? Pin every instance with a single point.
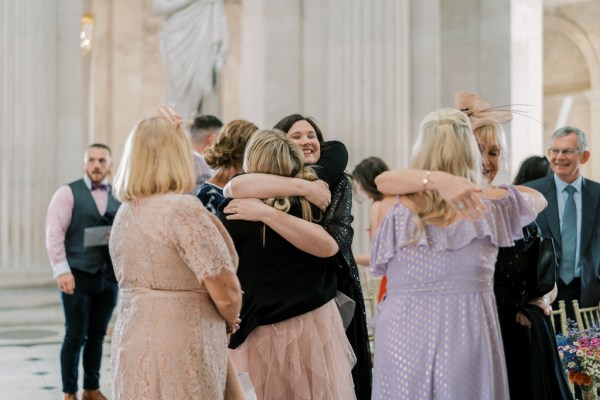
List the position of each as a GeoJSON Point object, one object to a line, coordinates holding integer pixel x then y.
{"type": "Point", "coordinates": [437, 334]}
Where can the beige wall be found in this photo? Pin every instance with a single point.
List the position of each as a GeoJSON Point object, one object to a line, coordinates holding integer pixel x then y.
{"type": "Point", "coordinates": [367, 70]}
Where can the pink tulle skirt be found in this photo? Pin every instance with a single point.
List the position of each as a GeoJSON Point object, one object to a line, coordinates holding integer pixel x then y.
{"type": "Point", "coordinates": [304, 357]}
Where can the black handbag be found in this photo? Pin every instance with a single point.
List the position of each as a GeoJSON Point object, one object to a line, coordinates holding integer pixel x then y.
{"type": "Point", "coordinates": [542, 276]}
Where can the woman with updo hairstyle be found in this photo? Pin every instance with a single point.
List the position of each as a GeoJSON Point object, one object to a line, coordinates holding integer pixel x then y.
{"type": "Point", "coordinates": [225, 155]}
{"type": "Point", "coordinates": [291, 339]}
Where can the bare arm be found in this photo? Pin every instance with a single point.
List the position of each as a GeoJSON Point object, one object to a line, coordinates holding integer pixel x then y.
{"type": "Point", "coordinates": [262, 186]}
{"type": "Point", "coordinates": [460, 193]}
{"type": "Point", "coordinates": [306, 236]}
{"type": "Point", "coordinates": [365, 258]}
{"type": "Point", "coordinates": [224, 289]}
{"type": "Point", "coordinates": [362, 259]}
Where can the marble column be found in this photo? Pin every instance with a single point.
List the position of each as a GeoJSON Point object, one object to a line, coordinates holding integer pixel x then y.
{"type": "Point", "coordinates": [127, 80]}
{"type": "Point", "coordinates": [495, 49]}
{"type": "Point", "coordinates": [344, 62]}
{"type": "Point", "coordinates": [40, 124]}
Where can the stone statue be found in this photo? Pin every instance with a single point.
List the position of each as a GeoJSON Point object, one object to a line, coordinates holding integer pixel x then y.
{"type": "Point", "coordinates": [195, 43]}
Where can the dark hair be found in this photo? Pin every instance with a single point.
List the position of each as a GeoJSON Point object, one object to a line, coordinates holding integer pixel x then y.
{"type": "Point", "coordinates": [286, 124]}
{"type": "Point", "coordinates": [204, 122]}
{"type": "Point", "coordinates": [365, 173]}
{"type": "Point", "coordinates": [101, 146]}
{"type": "Point", "coordinates": [532, 168]}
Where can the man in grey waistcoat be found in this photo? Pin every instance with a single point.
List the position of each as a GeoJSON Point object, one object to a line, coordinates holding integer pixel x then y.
{"type": "Point", "coordinates": [77, 228]}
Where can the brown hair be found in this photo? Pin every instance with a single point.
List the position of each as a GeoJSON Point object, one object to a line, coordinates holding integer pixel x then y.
{"type": "Point", "coordinates": [228, 149]}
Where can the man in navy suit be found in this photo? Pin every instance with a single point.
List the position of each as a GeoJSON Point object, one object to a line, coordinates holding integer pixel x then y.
{"type": "Point", "coordinates": [573, 206]}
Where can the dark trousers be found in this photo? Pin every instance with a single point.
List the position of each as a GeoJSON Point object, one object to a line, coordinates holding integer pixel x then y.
{"type": "Point", "coordinates": [568, 293]}
{"type": "Point", "coordinates": [87, 314]}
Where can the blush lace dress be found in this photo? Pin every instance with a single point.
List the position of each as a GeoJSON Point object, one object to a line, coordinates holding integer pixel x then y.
{"type": "Point", "coordinates": [437, 334]}
{"type": "Point", "coordinates": [169, 341]}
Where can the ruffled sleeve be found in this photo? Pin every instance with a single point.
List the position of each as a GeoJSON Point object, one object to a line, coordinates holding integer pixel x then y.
{"type": "Point", "coordinates": [201, 239]}
{"type": "Point", "coordinates": [502, 225]}
{"type": "Point", "coordinates": [391, 233]}
{"type": "Point", "coordinates": [508, 215]}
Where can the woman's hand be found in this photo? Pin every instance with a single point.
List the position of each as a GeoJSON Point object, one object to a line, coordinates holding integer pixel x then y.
{"type": "Point", "coordinates": [462, 195]}
{"type": "Point", "coordinates": [317, 193]}
{"type": "Point", "coordinates": [234, 327]}
{"type": "Point", "coordinates": [248, 210]}
{"type": "Point", "coordinates": [542, 303]}
{"type": "Point", "coordinates": [523, 320]}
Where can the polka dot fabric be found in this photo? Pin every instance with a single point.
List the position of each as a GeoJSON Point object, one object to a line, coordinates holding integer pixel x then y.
{"type": "Point", "coordinates": [437, 334]}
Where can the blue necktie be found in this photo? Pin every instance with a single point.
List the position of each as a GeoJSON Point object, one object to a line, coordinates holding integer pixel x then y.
{"type": "Point", "coordinates": [569, 238]}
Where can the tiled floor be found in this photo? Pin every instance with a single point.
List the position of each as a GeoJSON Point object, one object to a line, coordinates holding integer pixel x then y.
{"type": "Point", "coordinates": [32, 371]}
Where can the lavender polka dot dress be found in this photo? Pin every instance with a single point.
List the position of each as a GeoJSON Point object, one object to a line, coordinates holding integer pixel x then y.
{"type": "Point", "coordinates": [437, 334]}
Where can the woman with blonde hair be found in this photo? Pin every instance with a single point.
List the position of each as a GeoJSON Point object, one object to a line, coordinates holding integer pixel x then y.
{"type": "Point", "coordinates": [225, 155]}
{"type": "Point", "coordinates": [176, 265]}
{"type": "Point", "coordinates": [437, 334]}
{"type": "Point", "coordinates": [531, 356]}
{"type": "Point", "coordinates": [291, 339]}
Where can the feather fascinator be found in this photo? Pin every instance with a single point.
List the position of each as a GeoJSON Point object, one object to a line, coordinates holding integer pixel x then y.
{"type": "Point", "coordinates": [479, 111]}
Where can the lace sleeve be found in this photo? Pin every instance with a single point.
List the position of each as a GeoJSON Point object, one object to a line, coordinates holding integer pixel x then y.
{"type": "Point", "coordinates": [201, 240]}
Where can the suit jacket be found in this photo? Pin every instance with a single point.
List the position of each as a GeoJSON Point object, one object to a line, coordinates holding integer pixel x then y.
{"type": "Point", "coordinates": [589, 252]}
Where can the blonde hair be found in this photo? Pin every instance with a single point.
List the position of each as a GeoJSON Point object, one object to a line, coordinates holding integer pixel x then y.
{"type": "Point", "coordinates": [445, 143]}
{"type": "Point", "coordinates": [271, 152]}
{"type": "Point", "coordinates": [157, 159]}
{"type": "Point", "coordinates": [227, 151]}
{"type": "Point", "coordinates": [490, 133]}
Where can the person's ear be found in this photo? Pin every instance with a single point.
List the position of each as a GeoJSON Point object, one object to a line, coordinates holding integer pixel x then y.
{"type": "Point", "coordinates": [584, 157]}
{"type": "Point", "coordinates": [212, 137]}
